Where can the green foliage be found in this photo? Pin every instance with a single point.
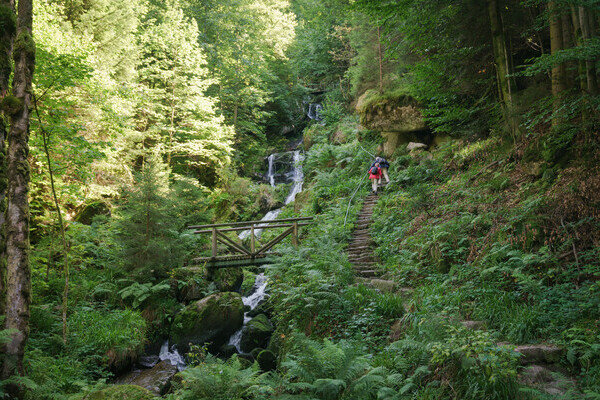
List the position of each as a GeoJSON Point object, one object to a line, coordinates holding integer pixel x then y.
{"type": "Point", "coordinates": [217, 379]}
{"type": "Point", "coordinates": [99, 332]}
{"type": "Point", "coordinates": [138, 293]}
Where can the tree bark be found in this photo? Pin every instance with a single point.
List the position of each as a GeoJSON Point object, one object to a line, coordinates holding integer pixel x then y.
{"type": "Point", "coordinates": [380, 53]}
{"type": "Point", "coordinates": [506, 85]}
{"type": "Point", "coordinates": [18, 290]}
{"type": "Point", "coordinates": [586, 22]}
{"type": "Point", "coordinates": [7, 32]}
{"type": "Point", "coordinates": [558, 70]}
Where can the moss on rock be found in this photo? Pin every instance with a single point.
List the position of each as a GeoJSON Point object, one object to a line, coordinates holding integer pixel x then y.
{"type": "Point", "coordinates": [256, 333]}
{"type": "Point", "coordinates": [212, 319]}
{"type": "Point", "coordinates": [119, 392]}
{"type": "Point", "coordinates": [228, 279]}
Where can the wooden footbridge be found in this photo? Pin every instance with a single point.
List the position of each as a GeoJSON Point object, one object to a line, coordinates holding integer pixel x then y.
{"type": "Point", "coordinates": [237, 254]}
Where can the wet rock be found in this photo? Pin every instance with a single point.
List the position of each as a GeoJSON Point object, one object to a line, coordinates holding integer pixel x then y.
{"type": "Point", "coordinates": [157, 379]}
{"type": "Point", "coordinates": [264, 307]}
{"type": "Point", "coordinates": [256, 333]}
{"type": "Point", "coordinates": [227, 350]}
{"type": "Point", "coordinates": [212, 319]}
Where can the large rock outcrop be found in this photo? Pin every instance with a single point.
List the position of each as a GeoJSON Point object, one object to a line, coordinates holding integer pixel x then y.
{"type": "Point", "coordinates": [398, 118]}
{"type": "Point", "coordinates": [212, 319]}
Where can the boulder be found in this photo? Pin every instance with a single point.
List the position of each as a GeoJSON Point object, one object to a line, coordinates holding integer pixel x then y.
{"type": "Point", "coordinates": [212, 319]}
{"type": "Point", "coordinates": [256, 333]}
{"type": "Point", "coordinates": [267, 360]}
{"type": "Point", "coordinates": [415, 146]}
{"type": "Point", "coordinates": [227, 350]}
{"type": "Point", "coordinates": [156, 379]}
{"type": "Point", "coordinates": [118, 392]}
{"type": "Point", "coordinates": [228, 279]}
{"type": "Point", "coordinates": [264, 307]}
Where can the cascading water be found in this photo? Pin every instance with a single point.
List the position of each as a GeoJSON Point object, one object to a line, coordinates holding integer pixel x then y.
{"type": "Point", "coordinates": [258, 294]}
{"type": "Point", "coordinates": [314, 111]}
{"type": "Point", "coordinates": [172, 355]}
{"type": "Point", "coordinates": [295, 176]}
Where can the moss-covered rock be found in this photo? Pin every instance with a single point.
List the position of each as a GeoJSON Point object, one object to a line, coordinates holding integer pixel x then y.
{"type": "Point", "coordinates": [118, 392]}
{"type": "Point", "coordinates": [228, 279]}
{"type": "Point", "coordinates": [212, 319]}
{"type": "Point", "coordinates": [189, 283]}
{"type": "Point", "coordinates": [256, 333]}
{"type": "Point", "coordinates": [248, 283]}
{"type": "Point", "coordinates": [267, 360]}
{"type": "Point", "coordinates": [156, 379]}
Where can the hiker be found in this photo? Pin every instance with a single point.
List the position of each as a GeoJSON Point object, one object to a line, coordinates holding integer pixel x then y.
{"type": "Point", "coordinates": [375, 176]}
{"type": "Point", "coordinates": [384, 164]}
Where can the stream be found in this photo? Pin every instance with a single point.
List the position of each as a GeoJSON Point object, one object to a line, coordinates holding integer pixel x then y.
{"type": "Point", "coordinates": [282, 168]}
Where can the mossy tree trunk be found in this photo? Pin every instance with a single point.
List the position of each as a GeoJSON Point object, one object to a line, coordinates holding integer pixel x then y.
{"type": "Point", "coordinates": [18, 287]}
{"type": "Point", "coordinates": [8, 27]}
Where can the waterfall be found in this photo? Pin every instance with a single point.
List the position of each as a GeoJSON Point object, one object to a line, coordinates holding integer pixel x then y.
{"type": "Point", "coordinates": [314, 111]}
{"type": "Point", "coordinates": [253, 300]}
{"type": "Point", "coordinates": [172, 355]}
{"type": "Point", "coordinates": [294, 175]}
{"type": "Point", "coordinates": [271, 171]}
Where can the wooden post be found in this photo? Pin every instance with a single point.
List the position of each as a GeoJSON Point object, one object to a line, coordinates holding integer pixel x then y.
{"type": "Point", "coordinates": [214, 242]}
{"type": "Point", "coordinates": [252, 241]}
{"type": "Point", "coordinates": [295, 235]}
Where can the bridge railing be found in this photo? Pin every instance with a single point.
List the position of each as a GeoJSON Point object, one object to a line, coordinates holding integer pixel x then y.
{"type": "Point", "coordinates": [240, 251]}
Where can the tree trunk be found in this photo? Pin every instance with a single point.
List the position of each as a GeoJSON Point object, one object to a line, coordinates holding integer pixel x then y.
{"type": "Point", "coordinates": [380, 60]}
{"type": "Point", "coordinates": [7, 33]}
{"type": "Point", "coordinates": [586, 22]}
{"type": "Point", "coordinates": [18, 290]}
{"type": "Point", "coordinates": [558, 70]}
{"type": "Point", "coordinates": [506, 85]}
{"type": "Point", "coordinates": [568, 32]}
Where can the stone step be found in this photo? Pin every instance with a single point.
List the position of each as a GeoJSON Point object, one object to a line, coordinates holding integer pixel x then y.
{"type": "Point", "coordinates": [371, 273]}
{"type": "Point", "coordinates": [537, 353]}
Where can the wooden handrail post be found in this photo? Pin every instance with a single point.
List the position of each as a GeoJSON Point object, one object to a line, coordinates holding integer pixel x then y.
{"type": "Point", "coordinates": [214, 242]}
{"type": "Point", "coordinates": [252, 241]}
{"type": "Point", "coordinates": [295, 235]}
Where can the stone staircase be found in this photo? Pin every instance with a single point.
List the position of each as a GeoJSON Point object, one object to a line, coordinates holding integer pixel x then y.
{"type": "Point", "coordinates": [540, 363]}
{"type": "Point", "coordinates": [360, 251]}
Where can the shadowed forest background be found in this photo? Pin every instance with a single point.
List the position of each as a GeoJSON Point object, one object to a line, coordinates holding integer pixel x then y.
{"type": "Point", "coordinates": [124, 122]}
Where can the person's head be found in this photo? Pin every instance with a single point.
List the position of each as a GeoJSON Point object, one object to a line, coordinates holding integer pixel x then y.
{"type": "Point", "coordinates": [377, 164]}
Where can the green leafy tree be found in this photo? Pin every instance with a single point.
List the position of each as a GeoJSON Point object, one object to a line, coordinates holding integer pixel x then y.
{"type": "Point", "coordinates": [173, 115]}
